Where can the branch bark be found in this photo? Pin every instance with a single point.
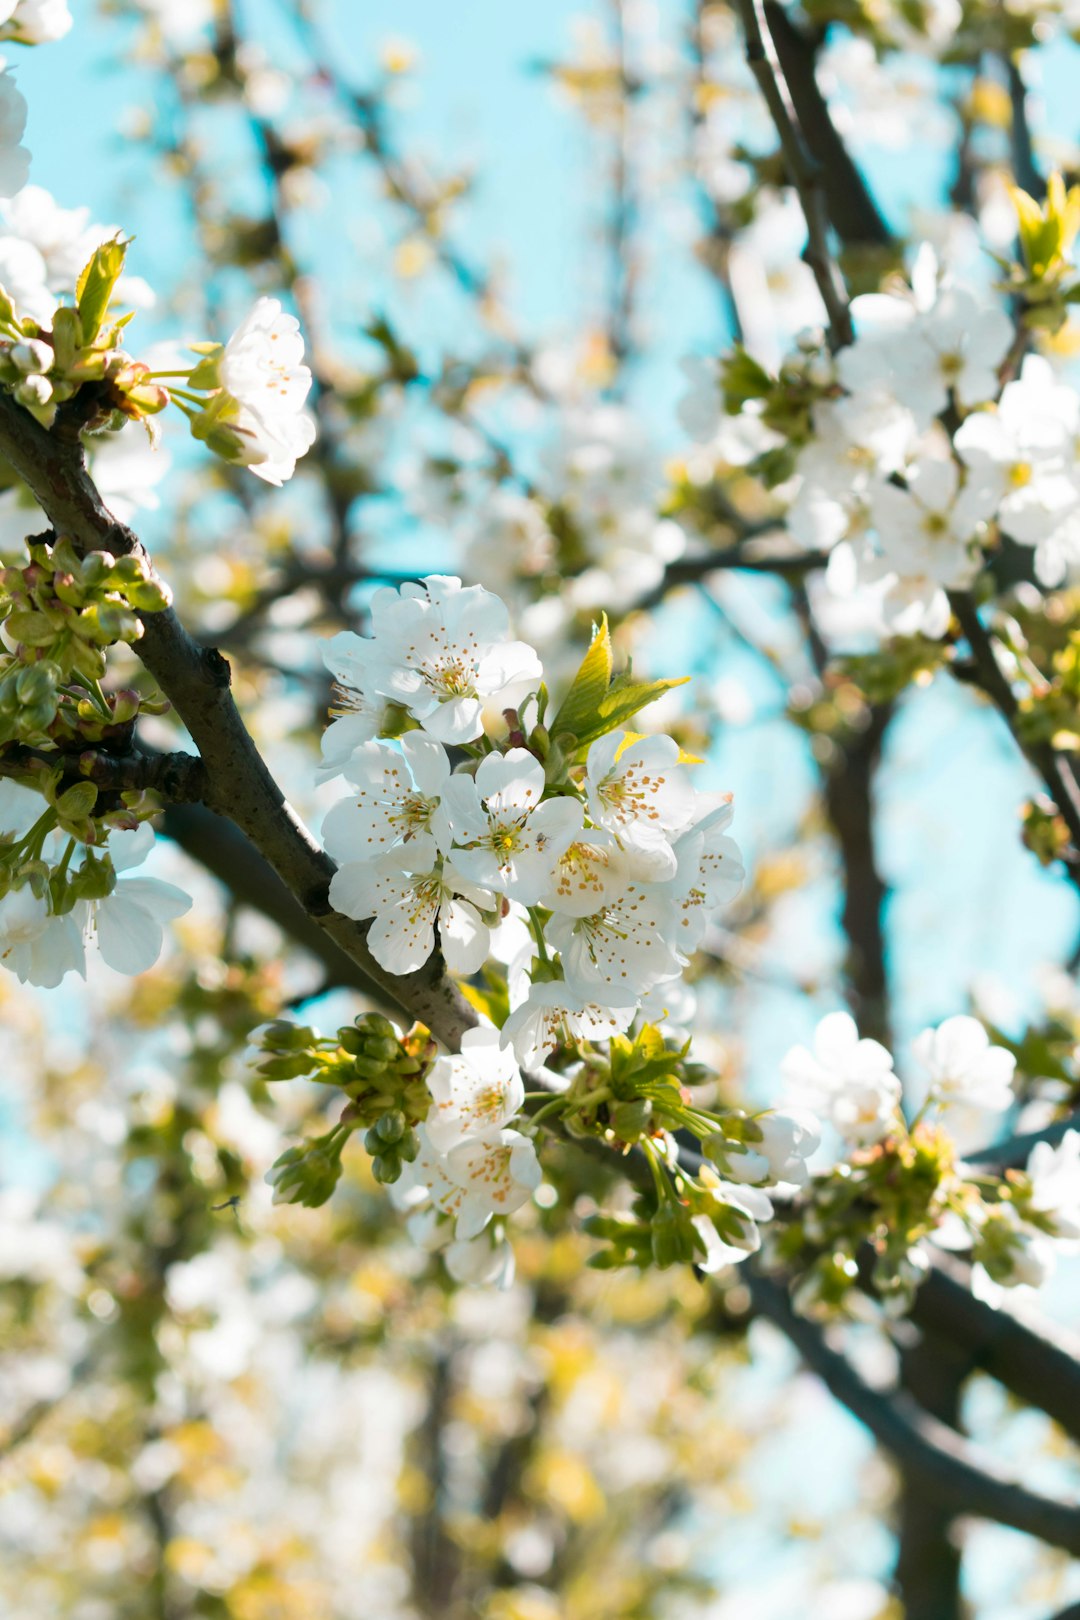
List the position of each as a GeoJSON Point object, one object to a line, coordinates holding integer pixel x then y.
{"type": "Point", "coordinates": [196, 679]}
{"type": "Point", "coordinates": [956, 1474]}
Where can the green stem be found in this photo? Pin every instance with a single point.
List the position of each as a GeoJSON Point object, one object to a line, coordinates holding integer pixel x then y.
{"type": "Point", "coordinates": [538, 934]}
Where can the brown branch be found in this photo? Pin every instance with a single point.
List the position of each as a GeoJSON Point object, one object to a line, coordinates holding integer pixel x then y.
{"type": "Point", "coordinates": [178, 778]}
{"type": "Point", "coordinates": [1039, 1365]}
{"type": "Point", "coordinates": [1055, 768]}
{"type": "Point", "coordinates": [961, 1478]}
{"type": "Point", "coordinates": [1025, 169]}
{"type": "Point", "coordinates": [854, 214]}
{"type": "Point", "coordinates": [1013, 1152]}
{"type": "Point", "coordinates": [196, 679]}
{"type": "Point", "coordinates": [804, 167]}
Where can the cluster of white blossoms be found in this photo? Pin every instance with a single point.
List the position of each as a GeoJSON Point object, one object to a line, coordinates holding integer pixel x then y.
{"type": "Point", "coordinates": [473, 1166]}
{"type": "Point", "coordinates": [601, 848]}
{"type": "Point", "coordinates": [919, 456]}
{"type": "Point", "coordinates": [1016, 1232]}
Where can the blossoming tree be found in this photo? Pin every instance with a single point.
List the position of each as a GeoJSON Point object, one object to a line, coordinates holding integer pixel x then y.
{"type": "Point", "coordinates": [423, 1123]}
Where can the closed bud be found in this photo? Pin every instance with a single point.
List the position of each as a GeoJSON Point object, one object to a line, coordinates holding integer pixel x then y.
{"type": "Point", "coordinates": [31, 356]}
{"type": "Point", "coordinates": [34, 392]}
{"type": "Point", "coordinates": [386, 1168]}
{"type": "Point", "coordinates": [391, 1127]}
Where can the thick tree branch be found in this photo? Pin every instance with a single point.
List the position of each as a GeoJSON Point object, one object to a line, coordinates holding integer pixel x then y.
{"type": "Point", "coordinates": [1039, 1365]}
{"type": "Point", "coordinates": [852, 210]}
{"type": "Point", "coordinates": [960, 1477]}
{"type": "Point", "coordinates": [196, 679]}
{"type": "Point", "coordinates": [179, 778]}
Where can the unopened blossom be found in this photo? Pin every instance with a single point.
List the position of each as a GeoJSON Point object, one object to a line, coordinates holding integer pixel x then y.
{"type": "Point", "coordinates": [964, 1067]}
{"type": "Point", "coordinates": [551, 1015]}
{"type": "Point", "coordinates": [129, 922]}
{"type": "Point", "coordinates": [442, 651]}
{"type": "Point", "coordinates": [641, 796]}
{"type": "Point", "coordinates": [408, 906]}
{"type": "Point", "coordinates": [14, 159]}
{"type": "Point", "coordinates": [396, 802]}
{"type": "Point", "coordinates": [475, 1092]}
{"type": "Point", "coordinates": [848, 1081]}
{"type": "Point", "coordinates": [508, 838]}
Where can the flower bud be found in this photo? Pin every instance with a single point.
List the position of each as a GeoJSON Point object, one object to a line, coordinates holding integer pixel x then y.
{"type": "Point", "coordinates": [31, 356]}
{"type": "Point", "coordinates": [34, 392]}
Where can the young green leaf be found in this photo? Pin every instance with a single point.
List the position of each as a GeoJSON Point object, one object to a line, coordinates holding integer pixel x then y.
{"type": "Point", "coordinates": [580, 708]}
{"type": "Point", "coordinates": [95, 285]}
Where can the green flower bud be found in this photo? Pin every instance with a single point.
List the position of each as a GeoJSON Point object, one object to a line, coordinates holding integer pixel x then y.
{"type": "Point", "coordinates": [392, 1126]}
{"type": "Point", "coordinates": [381, 1048]}
{"type": "Point", "coordinates": [386, 1169]}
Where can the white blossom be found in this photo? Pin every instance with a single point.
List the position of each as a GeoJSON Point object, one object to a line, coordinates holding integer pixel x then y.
{"type": "Point", "coordinates": [507, 839]}
{"type": "Point", "coordinates": [14, 159]}
{"type": "Point", "coordinates": [710, 871]}
{"type": "Point", "coordinates": [938, 342]}
{"type": "Point", "coordinates": [442, 650]}
{"type": "Point", "coordinates": [1055, 1183]}
{"type": "Point", "coordinates": [35, 22]}
{"type": "Point", "coordinates": [964, 1067]}
{"type": "Point", "coordinates": [396, 802]}
{"type": "Point", "coordinates": [495, 1175]}
{"type": "Point", "coordinates": [617, 952]}
{"type": "Point", "coordinates": [264, 385]}
{"type": "Point", "coordinates": [128, 923]}
{"type": "Point", "coordinates": [474, 1093]}
{"type": "Point", "coordinates": [38, 947]}
{"type": "Point", "coordinates": [848, 1081]}
{"type": "Point", "coordinates": [787, 1141]}
{"type": "Point", "coordinates": [551, 1014]}
{"type": "Point", "coordinates": [408, 906]}
{"type": "Point", "coordinates": [639, 794]}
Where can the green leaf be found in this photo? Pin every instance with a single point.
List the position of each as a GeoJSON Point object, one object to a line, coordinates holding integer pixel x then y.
{"type": "Point", "coordinates": [95, 285]}
{"type": "Point", "coordinates": [580, 708]}
{"type": "Point", "coordinates": [622, 703]}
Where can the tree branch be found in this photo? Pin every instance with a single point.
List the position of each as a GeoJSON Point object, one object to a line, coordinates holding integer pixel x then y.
{"type": "Point", "coordinates": [804, 167]}
{"type": "Point", "coordinates": [1040, 1366]}
{"type": "Point", "coordinates": [1055, 769]}
{"type": "Point", "coordinates": [179, 778]}
{"type": "Point", "coordinates": [958, 1475]}
{"type": "Point", "coordinates": [196, 679]}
